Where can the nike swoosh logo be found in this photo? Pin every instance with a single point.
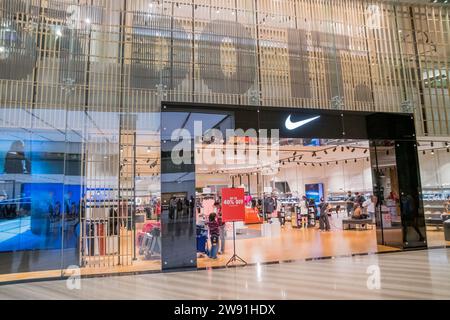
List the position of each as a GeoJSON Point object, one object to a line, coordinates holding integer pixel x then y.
{"type": "Point", "coordinates": [294, 125]}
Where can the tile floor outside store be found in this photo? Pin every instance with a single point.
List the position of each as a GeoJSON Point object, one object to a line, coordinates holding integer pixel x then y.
{"type": "Point", "coordinates": [422, 274]}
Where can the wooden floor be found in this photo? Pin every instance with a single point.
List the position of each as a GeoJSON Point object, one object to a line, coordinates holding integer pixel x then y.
{"type": "Point", "coordinates": [420, 274]}
{"type": "Point", "coordinates": [299, 244]}
{"type": "Point", "coordinates": [435, 237]}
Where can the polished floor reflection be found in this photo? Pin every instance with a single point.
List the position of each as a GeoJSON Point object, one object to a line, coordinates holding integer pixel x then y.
{"type": "Point", "coordinates": [299, 244]}
{"type": "Point", "coordinates": [420, 274]}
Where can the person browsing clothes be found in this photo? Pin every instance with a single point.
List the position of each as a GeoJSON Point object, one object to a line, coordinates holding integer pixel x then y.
{"type": "Point", "coordinates": [214, 234]}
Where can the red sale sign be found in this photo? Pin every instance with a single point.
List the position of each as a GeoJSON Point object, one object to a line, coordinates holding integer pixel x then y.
{"type": "Point", "coordinates": [233, 208]}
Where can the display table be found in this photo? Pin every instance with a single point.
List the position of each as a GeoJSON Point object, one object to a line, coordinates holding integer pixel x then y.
{"type": "Point", "coordinates": [363, 223]}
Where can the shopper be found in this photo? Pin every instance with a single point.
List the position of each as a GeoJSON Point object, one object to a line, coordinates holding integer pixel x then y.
{"type": "Point", "coordinates": [269, 208]}
{"type": "Point", "coordinates": [324, 222]}
{"type": "Point", "coordinates": [214, 234]}
{"type": "Point", "coordinates": [304, 211]}
{"type": "Point", "coordinates": [280, 213]}
{"type": "Point", "coordinates": [350, 202]}
{"type": "Point", "coordinates": [222, 227]}
{"type": "Point", "coordinates": [158, 210]}
{"type": "Point", "coordinates": [359, 199]}
{"type": "Point", "coordinates": [357, 212]}
{"type": "Point", "coordinates": [369, 205]}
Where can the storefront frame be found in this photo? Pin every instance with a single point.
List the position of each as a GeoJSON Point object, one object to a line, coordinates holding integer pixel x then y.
{"type": "Point", "coordinates": [333, 124]}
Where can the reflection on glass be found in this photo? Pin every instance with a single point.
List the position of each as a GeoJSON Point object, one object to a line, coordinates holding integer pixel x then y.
{"type": "Point", "coordinates": [434, 159]}
{"type": "Point", "coordinates": [39, 212]}
{"type": "Point", "coordinates": [386, 188]}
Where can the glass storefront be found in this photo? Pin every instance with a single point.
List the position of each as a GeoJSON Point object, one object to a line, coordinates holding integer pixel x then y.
{"type": "Point", "coordinates": [434, 157]}
{"type": "Point", "coordinates": [81, 89]}
{"type": "Point", "coordinates": [210, 148]}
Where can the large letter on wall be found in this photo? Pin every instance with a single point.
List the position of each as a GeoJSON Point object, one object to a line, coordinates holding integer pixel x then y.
{"type": "Point", "coordinates": [299, 64]}
{"type": "Point", "coordinates": [331, 45]}
{"type": "Point", "coordinates": [161, 52]}
{"type": "Point", "coordinates": [241, 73]}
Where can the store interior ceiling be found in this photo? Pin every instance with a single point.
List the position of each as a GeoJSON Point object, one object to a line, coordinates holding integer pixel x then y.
{"type": "Point", "coordinates": [291, 152]}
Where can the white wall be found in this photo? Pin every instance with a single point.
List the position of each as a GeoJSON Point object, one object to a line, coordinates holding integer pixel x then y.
{"type": "Point", "coordinates": [336, 178]}
{"type": "Point", "coordinates": [435, 169]}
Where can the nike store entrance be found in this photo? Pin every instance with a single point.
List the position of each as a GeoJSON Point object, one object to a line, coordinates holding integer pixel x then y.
{"type": "Point", "coordinates": [289, 161]}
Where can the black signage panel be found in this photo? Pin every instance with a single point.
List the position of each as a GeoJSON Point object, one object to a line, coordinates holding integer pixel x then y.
{"type": "Point", "coordinates": [390, 126]}
{"type": "Point", "coordinates": [355, 125]}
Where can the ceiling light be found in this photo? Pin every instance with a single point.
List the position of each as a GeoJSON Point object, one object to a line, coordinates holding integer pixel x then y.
{"type": "Point", "coordinates": [432, 152]}
{"type": "Point", "coordinates": [365, 151]}
{"type": "Point", "coordinates": [334, 149]}
{"type": "Point", "coordinates": [326, 152]}
{"type": "Point", "coordinates": [353, 150]}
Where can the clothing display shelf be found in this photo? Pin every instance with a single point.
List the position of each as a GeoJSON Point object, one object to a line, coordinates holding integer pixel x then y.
{"type": "Point", "coordinates": [435, 193]}
{"type": "Point", "coordinates": [289, 200]}
{"type": "Point", "coordinates": [340, 197]}
{"type": "Point", "coordinates": [100, 208]}
{"type": "Point", "coordinates": [435, 200]}
{"type": "Point", "coordinates": [98, 238]}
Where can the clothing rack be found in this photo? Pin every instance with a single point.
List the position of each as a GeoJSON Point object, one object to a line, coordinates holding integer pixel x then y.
{"type": "Point", "coordinates": [99, 238]}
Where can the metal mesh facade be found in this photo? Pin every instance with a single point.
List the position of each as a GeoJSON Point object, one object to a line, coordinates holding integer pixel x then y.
{"type": "Point", "coordinates": [81, 82]}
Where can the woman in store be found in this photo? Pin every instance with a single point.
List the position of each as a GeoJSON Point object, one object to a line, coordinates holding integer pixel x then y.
{"type": "Point", "coordinates": [214, 234]}
{"type": "Point", "coordinates": [358, 212]}
{"type": "Point", "coordinates": [304, 211]}
{"type": "Point", "coordinates": [280, 214]}
{"type": "Point", "coordinates": [158, 210]}
{"type": "Point", "coordinates": [222, 226]}
{"type": "Point", "coordinates": [324, 222]}
{"type": "Point", "coordinates": [369, 205]}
